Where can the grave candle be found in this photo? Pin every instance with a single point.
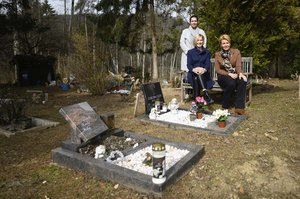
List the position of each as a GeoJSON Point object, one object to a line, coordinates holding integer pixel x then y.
{"type": "Point", "coordinates": [159, 163]}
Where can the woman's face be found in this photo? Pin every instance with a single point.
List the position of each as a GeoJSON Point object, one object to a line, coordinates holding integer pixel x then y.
{"type": "Point", "coordinates": [199, 42]}
{"type": "Point", "coordinates": [225, 45]}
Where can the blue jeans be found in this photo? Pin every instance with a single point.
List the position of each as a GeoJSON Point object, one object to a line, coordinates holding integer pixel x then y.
{"type": "Point", "coordinates": [229, 86]}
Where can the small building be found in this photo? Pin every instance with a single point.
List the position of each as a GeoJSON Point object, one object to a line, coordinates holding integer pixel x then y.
{"type": "Point", "coordinates": [34, 69]}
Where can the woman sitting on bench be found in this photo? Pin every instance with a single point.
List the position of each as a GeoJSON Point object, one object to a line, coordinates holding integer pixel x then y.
{"type": "Point", "coordinates": [198, 63]}
{"type": "Point", "coordinates": [228, 66]}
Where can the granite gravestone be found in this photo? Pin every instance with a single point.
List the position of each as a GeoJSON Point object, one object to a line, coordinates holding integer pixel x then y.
{"type": "Point", "coordinates": [85, 122]}
{"type": "Point", "coordinates": [152, 92]}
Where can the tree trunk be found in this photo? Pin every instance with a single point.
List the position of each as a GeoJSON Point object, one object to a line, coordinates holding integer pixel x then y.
{"type": "Point", "coordinates": [94, 48]}
{"type": "Point", "coordinates": [116, 58]}
{"type": "Point", "coordinates": [86, 33]}
{"type": "Point", "coordinates": [154, 47]}
{"type": "Point", "coordinates": [144, 57]}
{"type": "Point", "coordinates": [172, 65]}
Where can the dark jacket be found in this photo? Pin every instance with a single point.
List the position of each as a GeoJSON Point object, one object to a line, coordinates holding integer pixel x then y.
{"type": "Point", "coordinates": [195, 58]}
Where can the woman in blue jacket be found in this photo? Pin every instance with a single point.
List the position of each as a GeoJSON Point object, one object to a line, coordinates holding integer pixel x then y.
{"type": "Point", "coordinates": [198, 63]}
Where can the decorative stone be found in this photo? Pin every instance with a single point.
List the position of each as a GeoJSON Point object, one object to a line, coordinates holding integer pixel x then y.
{"type": "Point", "coordinates": [100, 151]}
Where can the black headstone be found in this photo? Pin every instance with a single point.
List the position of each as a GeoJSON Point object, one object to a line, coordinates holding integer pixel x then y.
{"type": "Point", "coordinates": [152, 92]}
{"type": "Point", "coordinates": [85, 122]}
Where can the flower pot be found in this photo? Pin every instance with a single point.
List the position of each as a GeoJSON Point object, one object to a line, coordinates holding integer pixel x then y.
{"type": "Point", "coordinates": [222, 124]}
{"type": "Point", "coordinates": [199, 115]}
{"type": "Point", "coordinates": [192, 117]}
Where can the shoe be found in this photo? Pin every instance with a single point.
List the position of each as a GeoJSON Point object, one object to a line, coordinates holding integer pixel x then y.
{"type": "Point", "coordinates": [240, 111]}
{"type": "Point", "coordinates": [232, 111]}
{"type": "Point", "coordinates": [207, 98]}
{"type": "Point", "coordinates": [209, 101]}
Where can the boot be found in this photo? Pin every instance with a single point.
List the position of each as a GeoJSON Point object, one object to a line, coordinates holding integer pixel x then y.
{"type": "Point", "coordinates": [240, 111]}
{"type": "Point", "coordinates": [232, 111]}
{"type": "Point", "coordinates": [207, 97]}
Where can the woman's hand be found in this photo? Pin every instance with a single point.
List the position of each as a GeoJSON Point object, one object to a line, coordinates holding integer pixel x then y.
{"type": "Point", "coordinates": [199, 70]}
{"type": "Point", "coordinates": [233, 75]}
{"type": "Point", "coordinates": [242, 76]}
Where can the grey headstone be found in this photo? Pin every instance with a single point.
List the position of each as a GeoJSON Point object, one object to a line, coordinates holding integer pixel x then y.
{"type": "Point", "coordinates": [85, 122]}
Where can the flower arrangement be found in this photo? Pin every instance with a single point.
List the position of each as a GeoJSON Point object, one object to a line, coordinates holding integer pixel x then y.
{"type": "Point", "coordinates": [199, 104]}
{"type": "Point", "coordinates": [221, 115]}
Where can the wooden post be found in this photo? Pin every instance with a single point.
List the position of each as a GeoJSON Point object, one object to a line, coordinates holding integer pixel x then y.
{"type": "Point", "coordinates": [299, 85]}
{"type": "Point", "coordinates": [136, 103]}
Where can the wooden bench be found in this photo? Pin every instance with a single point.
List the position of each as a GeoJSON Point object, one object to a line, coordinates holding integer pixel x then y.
{"type": "Point", "coordinates": [247, 67]}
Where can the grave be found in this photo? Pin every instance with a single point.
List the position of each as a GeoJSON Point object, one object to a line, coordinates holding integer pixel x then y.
{"type": "Point", "coordinates": [180, 120]}
{"type": "Point", "coordinates": [36, 124]}
{"type": "Point", "coordinates": [76, 152]}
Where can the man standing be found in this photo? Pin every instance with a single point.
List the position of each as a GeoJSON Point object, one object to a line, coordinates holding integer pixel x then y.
{"type": "Point", "coordinates": [187, 40]}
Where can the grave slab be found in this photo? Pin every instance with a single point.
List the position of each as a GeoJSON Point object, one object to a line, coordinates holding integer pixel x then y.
{"type": "Point", "coordinates": [153, 92]}
{"type": "Point", "coordinates": [231, 124]}
{"type": "Point", "coordinates": [68, 156]}
{"type": "Point", "coordinates": [37, 124]}
{"type": "Point", "coordinates": [76, 152]}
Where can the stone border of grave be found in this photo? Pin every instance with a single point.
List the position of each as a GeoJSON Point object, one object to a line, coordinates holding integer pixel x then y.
{"type": "Point", "coordinates": [37, 123]}
{"type": "Point", "coordinates": [68, 156]}
{"type": "Point", "coordinates": [229, 129]}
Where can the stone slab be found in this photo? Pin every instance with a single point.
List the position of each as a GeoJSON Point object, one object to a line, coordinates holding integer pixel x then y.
{"type": "Point", "coordinates": [232, 123]}
{"type": "Point", "coordinates": [38, 124]}
{"type": "Point", "coordinates": [85, 122]}
{"type": "Point", "coordinates": [132, 179]}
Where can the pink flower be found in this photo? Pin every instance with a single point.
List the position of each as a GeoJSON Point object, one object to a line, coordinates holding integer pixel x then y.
{"type": "Point", "coordinates": [199, 104]}
{"type": "Point", "coordinates": [200, 99]}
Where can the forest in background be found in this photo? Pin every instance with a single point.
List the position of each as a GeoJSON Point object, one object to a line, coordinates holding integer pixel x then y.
{"type": "Point", "coordinates": [111, 35]}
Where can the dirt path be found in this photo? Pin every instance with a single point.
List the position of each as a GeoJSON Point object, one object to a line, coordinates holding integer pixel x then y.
{"type": "Point", "coordinates": [261, 159]}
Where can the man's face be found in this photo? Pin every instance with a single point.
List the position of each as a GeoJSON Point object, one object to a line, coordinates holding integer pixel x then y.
{"type": "Point", "coordinates": [194, 22]}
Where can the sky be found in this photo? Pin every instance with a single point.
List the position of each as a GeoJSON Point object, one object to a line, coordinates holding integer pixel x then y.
{"type": "Point", "coordinates": [58, 5]}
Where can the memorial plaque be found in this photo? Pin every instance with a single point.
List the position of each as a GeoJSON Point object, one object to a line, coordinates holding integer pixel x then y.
{"type": "Point", "coordinates": [152, 92]}
{"type": "Point", "coordinates": [85, 122]}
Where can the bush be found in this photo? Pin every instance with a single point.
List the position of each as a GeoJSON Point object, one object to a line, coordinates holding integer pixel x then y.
{"type": "Point", "coordinates": [97, 84]}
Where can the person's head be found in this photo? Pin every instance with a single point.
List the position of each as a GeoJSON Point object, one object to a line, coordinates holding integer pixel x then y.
{"type": "Point", "coordinates": [194, 21]}
{"type": "Point", "coordinates": [198, 40]}
{"type": "Point", "coordinates": [225, 42]}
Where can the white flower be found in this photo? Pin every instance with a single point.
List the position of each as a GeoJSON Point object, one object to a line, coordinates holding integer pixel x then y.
{"type": "Point", "coordinates": [219, 113]}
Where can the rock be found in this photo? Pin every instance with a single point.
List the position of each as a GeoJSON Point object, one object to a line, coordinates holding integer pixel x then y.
{"type": "Point", "coordinates": [116, 186]}
{"type": "Point", "coordinates": [271, 137]}
{"type": "Point", "coordinates": [235, 134]}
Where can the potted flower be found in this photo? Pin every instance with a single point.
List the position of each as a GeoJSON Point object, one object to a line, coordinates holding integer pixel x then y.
{"type": "Point", "coordinates": [198, 106]}
{"type": "Point", "coordinates": [221, 116]}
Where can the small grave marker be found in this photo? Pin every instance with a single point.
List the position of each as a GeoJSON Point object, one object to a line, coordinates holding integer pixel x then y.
{"type": "Point", "coordinates": [152, 92]}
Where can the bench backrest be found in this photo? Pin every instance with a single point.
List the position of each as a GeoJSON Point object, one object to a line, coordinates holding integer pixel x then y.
{"type": "Point", "coordinates": [246, 67]}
